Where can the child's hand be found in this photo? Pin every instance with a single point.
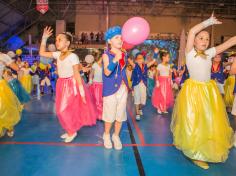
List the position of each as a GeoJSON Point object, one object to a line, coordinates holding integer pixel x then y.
{"type": "Point", "coordinates": [215, 20]}
{"type": "Point", "coordinates": [118, 56]}
{"type": "Point", "coordinates": [47, 32]}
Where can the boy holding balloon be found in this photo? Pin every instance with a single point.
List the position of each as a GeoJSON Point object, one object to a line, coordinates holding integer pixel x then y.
{"type": "Point", "coordinates": [115, 87]}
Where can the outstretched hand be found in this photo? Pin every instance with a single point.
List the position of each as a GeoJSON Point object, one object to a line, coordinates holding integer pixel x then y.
{"type": "Point", "coordinates": [214, 20]}
{"type": "Point", "coordinates": [47, 32]}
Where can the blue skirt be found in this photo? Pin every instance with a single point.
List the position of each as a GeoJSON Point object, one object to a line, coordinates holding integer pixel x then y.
{"type": "Point", "coordinates": [19, 91]}
{"type": "Point", "coordinates": [150, 85]}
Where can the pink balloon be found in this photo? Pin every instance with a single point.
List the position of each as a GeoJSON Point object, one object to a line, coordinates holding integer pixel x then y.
{"type": "Point", "coordinates": [127, 46]}
{"type": "Point", "coordinates": [135, 31]}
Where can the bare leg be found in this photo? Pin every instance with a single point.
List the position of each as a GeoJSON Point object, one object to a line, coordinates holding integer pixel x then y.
{"type": "Point", "coordinates": [118, 126]}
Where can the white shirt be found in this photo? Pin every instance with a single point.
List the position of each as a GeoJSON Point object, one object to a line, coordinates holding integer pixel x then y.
{"type": "Point", "coordinates": [164, 69]}
{"type": "Point", "coordinates": [97, 73]}
{"type": "Point", "coordinates": [26, 71]}
{"type": "Point", "coordinates": [198, 67]}
{"type": "Point", "coordinates": [4, 61]}
{"type": "Point", "coordinates": [65, 67]}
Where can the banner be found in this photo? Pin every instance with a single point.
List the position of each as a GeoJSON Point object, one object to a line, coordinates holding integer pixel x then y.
{"type": "Point", "coordinates": [42, 6]}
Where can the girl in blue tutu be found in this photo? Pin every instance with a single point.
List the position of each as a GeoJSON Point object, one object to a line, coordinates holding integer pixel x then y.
{"type": "Point", "coordinates": [16, 87]}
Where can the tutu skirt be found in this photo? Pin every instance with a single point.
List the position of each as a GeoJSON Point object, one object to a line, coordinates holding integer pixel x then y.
{"type": "Point", "coordinates": [26, 82]}
{"type": "Point", "coordinates": [162, 97]}
{"type": "Point", "coordinates": [200, 125]}
{"type": "Point", "coordinates": [229, 91]}
{"type": "Point", "coordinates": [96, 91]}
{"type": "Point", "coordinates": [19, 91]}
{"type": "Point", "coordinates": [10, 107]}
{"type": "Point", "coordinates": [72, 112]}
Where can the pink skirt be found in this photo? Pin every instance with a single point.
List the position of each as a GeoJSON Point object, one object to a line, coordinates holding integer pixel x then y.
{"type": "Point", "coordinates": [72, 112]}
{"type": "Point", "coordinates": [162, 97]}
{"type": "Point", "coordinates": [96, 91]}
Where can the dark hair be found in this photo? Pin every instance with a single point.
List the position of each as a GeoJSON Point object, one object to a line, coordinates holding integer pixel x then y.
{"type": "Point", "coordinates": [68, 36]}
{"type": "Point", "coordinates": [8, 72]}
{"type": "Point", "coordinates": [163, 53]}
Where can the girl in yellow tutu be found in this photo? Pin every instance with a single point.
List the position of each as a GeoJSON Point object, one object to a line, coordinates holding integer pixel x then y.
{"type": "Point", "coordinates": [26, 79]}
{"type": "Point", "coordinates": [200, 125]}
{"type": "Point", "coordinates": [10, 107]}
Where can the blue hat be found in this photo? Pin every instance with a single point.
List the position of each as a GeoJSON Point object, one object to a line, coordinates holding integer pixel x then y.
{"type": "Point", "coordinates": [111, 32]}
{"type": "Point", "coordinates": [136, 55]}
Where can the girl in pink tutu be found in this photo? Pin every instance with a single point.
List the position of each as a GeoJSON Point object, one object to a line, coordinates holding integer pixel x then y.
{"type": "Point", "coordinates": [96, 84]}
{"type": "Point", "coordinates": [162, 97]}
{"type": "Point", "coordinates": [74, 106]}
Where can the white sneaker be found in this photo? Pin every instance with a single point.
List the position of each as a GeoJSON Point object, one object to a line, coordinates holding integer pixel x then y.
{"type": "Point", "coordinates": [166, 112]}
{"type": "Point", "coordinates": [138, 117]}
{"type": "Point", "coordinates": [10, 133]}
{"type": "Point", "coordinates": [158, 111]}
{"type": "Point", "coordinates": [107, 141]}
{"type": "Point", "coordinates": [65, 135]}
{"type": "Point", "coordinates": [141, 112]}
{"type": "Point", "coordinates": [117, 142]}
{"type": "Point", "coordinates": [69, 139]}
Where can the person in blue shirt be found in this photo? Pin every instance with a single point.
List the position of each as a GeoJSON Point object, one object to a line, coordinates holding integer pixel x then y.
{"type": "Point", "coordinates": [139, 82]}
{"type": "Point", "coordinates": [115, 87]}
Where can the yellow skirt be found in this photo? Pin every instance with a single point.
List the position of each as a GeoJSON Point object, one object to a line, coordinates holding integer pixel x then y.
{"type": "Point", "coordinates": [10, 107]}
{"type": "Point", "coordinates": [26, 81]}
{"type": "Point", "coordinates": [229, 91]}
{"type": "Point", "coordinates": [200, 124]}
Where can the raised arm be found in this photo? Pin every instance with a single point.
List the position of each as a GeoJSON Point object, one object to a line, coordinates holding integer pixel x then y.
{"type": "Point", "coordinates": [196, 29]}
{"type": "Point", "coordinates": [14, 66]}
{"type": "Point", "coordinates": [149, 64]}
{"type": "Point", "coordinates": [226, 45]}
{"type": "Point", "coordinates": [47, 32]}
{"type": "Point", "coordinates": [109, 67]}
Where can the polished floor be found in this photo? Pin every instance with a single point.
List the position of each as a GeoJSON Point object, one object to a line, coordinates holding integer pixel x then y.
{"type": "Point", "coordinates": [37, 150]}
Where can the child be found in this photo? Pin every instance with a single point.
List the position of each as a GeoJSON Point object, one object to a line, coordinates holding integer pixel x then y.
{"type": "Point", "coordinates": [16, 87]}
{"type": "Point", "coordinates": [162, 97]}
{"type": "Point", "coordinates": [151, 80]}
{"type": "Point", "coordinates": [96, 84]}
{"type": "Point", "coordinates": [139, 82]}
{"type": "Point", "coordinates": [26, 78]}
{"type": "Point", "coordinates": [184, 74]}
{"type": "Point", "coordinates": [35, 75]}
{"type": "Point", "coordinates": [10, 106]}
{"type": "Point", "coordinates": [74, 106]}
{"type": "Point", "coordinates": [229, 85]}
{"type": "Point", "coordinates": [129, 71]}
{"type": "Point", "coordinates": [200, 125]}
{"type": "Point", "coordinates": [217, 73]}
{"type": "Point", "coordinates": [53, 74]}
{"type": "Point", "coordinates": [115, 87]}
{"type": "Point", "coordinates": [45, 79]}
